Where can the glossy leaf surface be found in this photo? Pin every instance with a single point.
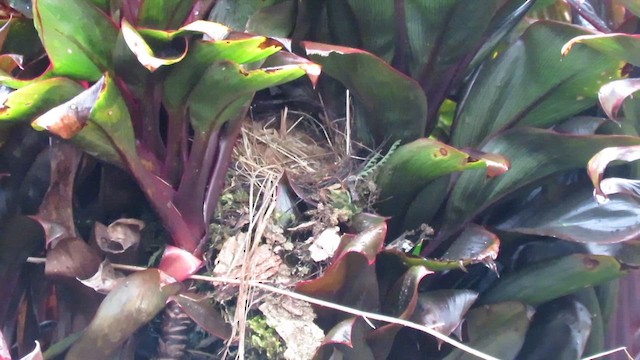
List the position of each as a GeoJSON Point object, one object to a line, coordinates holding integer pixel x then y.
{"type": "Point", "coordinates": [74, 51]}
{"type": "Point", "coordinates": [624, 47]}
{"type": "Point", "coordinates": [185, 75]}
{"type": "Point", "coordinates": [234, 88]}
{"type": "Point", "coordinates": [34, 99]}
{"type": "Point", "coordinates": [444, 309]}
{"type": "Point", "coordinates": [554, 278]}
{"type": "Point", "coordinates": [532, 84]}
{"type": "Point", "coordinates": [576, 216]}
{"type": "Point", "coordinates": [163, 14]}
{"type": "Point", "coordinates": [412, 166]}
{"type": "Point", "coordinates": [143, 51]}
{"type": "Point", "coordinates": [534, 154]}
{"type": "Point", "coordinates": [560, 331]}
{"type": "Point", "coordinates": [394, 106]}
{"type": "Point", "coordinates": [351, 278]}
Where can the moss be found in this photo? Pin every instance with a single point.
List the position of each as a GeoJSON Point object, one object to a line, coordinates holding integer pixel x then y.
{"type": "Point", "coordinates": [264, 338]}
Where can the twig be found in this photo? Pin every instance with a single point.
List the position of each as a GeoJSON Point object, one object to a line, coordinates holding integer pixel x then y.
{"type": "Point", "coordinates": [347, 124]}
{"type": "Point", "coordinates": [319, 302]}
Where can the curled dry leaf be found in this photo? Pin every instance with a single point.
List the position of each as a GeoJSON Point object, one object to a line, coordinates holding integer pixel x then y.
{"type": "Point", "coordinates": [104, 279]}
{"type": "Point", "coordinates": [613, 95]}
{"type": "Point", "coordinates": [122, 234]}
{"type": "Point", "coordinates": [598, 164]}
{"type": "Point", "coordinates": [293, 320]}
{"type": "Point", "coordinates": [496, 164]}
{"type": "Point", "coordinates": [143, 52]}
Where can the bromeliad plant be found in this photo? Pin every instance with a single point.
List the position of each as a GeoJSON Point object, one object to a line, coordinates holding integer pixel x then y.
{"type": "Point", "coordinates": [525, 110]}
{"type": "Point", "coordinates": [153, 90]}
{"type": "Point", "coordinates": [150, 88]}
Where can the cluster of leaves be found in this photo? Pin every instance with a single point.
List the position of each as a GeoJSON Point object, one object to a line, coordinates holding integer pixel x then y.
{"type": "Point", "coordinates": [149, 88]}
{"type": "Point", "coordinates": [524, 130]}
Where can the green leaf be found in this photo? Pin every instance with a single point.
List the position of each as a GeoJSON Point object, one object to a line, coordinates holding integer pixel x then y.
{"type": "Point", "coordinates": [79, 43]}
{"type": "Point", "coordinates": [233, 88]}
{"type": "Point", "coordinates": [276, 20]}
{"type": "Point", "coordinates": [164, 14]}
{"type": "Point", "coordinates": [29, 101]}
{"type": "Point", "coordinates": [394, 107]}
{"type": "Point", "coordinates": [235, 14]}
{"type": "Point", "coordinates": [498, 330]}
{"type": "Point", "coordinates": [412, 166]}
{"type": "Point", "coordinates": [552, 279]}
{"type": "Point", "coordinates": [624, 47]}
{"type": "Point", "coordinates": [143, 51]}
{"type": "Point", "coordinates": [534, 154]}
{"type": "Point", "coordinates": [23, 40]}
{"type": "Point", "coordinates": [596, 342]}
{"type": "Point", "coordinates": [138, 299]}
{"type": "Point", "coordinates": [532, 84]}
{"type": "Point", "coordinates": [440, 33]}
{"type": "Point", "coordinates": [187, 73]}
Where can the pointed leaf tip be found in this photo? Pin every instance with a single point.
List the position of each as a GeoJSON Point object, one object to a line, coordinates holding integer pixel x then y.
{"type": "Point", "coordinates": [599, 162]}
{"type": "Point", "coordinates": [613, 95]}
{"type": "Point", "coordinates": [68, 119]}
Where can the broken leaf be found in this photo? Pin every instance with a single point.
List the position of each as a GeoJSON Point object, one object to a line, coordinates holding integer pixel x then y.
{"type": "Point", "coordinates": [104, 280]}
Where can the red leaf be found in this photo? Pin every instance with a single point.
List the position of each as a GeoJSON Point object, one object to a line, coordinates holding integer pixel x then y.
{"type": "Point", "coordinates": [178, 263]}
